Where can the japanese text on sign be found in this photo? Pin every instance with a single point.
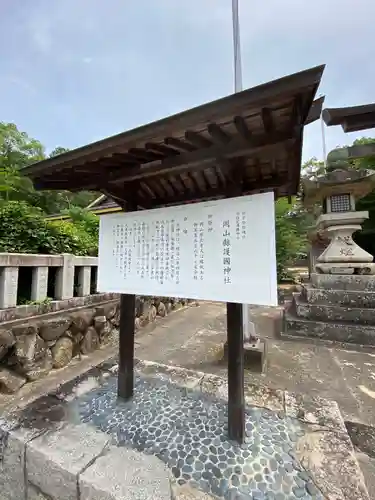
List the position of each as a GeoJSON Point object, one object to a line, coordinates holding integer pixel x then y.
{"type": "Point", "coordinates": [222, 250]}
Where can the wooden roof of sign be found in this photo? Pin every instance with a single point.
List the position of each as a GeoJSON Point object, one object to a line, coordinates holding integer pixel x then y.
{"type": "Point", "coordinates": [244, 143]}
{"type": "Point", "coordinates": [352, 119]}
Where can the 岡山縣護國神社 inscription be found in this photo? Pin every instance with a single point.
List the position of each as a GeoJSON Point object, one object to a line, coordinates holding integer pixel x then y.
{"type": "Point", "coordinates": [219, 250]}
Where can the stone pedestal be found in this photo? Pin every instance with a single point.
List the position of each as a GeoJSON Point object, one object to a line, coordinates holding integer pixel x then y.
{"type": "Point", "coordinates": [343, 255]}
{"type": "Point", "coordinates": [334, 307]}
{"type": "Point", "coordinates": [255, 355]}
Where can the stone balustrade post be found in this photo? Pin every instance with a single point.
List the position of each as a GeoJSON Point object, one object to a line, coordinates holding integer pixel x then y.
{"type": "Point", "coordinates": [8, 287]}
{"type": "Point", "coordinates": [84, 281]}
{"type": "Point", "coordinates": [65, 278]}
{"type": "Point", "coordinates": [39, 284]}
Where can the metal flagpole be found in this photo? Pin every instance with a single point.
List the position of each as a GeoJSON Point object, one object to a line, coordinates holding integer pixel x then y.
{"type": "Point", "coordinates": [236, 48]}
{"type": "Point", "coordinates": [238, 88]}
{"type": "Point", "coordinates": [323, 140]}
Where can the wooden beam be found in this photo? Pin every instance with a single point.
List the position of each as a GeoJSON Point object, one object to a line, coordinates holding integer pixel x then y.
{"type": "Point", "coordinates": [217, 133]}
{"type": "Point", "coordinates": [197, 140]}
{"type": "Point", "coordinates": [315, 110]}
{"type": "Point", "coordinates": [201, 159]}
{"type": "Point", "coordinates": [267, 120]}
{"type": "Point", "coordinates": [160, 148]}
{"type": "Point", "coordinates": [242, 128]}
{"type": "Point", "coordinates": [357, 123]}
{"type": "Point", "coordinates": [124, 195]}
{"type": "Point", "coordinates": [297, 110]}
{"type": "Point", "coordinates": [219, 192]}
{"type": "Point", "coordinates": [144, 155]}
{"type": "Point", "coordinates": [179, 144]}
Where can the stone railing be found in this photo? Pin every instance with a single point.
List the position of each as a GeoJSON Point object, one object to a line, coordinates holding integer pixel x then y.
{"type": "Point", "coordinates": [64, 267]}
{"type": "Point", "coordinates": [41, 335]}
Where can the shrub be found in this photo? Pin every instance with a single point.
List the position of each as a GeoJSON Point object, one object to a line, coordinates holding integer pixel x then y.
{"type": "Point", "coordinates": [23, 229]}
{"type": "Point", "coordinates": [71, 238]}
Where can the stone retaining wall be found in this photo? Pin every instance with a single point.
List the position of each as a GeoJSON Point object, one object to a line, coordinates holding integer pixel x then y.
{"type": "Point", "coordinates": [32, 345]}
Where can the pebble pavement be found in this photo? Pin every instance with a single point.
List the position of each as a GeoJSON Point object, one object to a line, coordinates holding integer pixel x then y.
{"type": "Point", "coordinates": [187, 431]}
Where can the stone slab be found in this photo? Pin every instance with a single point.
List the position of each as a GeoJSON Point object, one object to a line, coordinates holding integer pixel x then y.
{"type": "Point", "coordinates": [343, 282]}
{"type": "Point", "coordinates": [34, 493]}
{"type": "Point", "coordinates": [333, 312]}
{"type": "Point", "coordinates": [348, 298]}
{"type": "Point", "coordinates": [187, 493]}
{"type": "Point", "coordinates": [125, 474]}
{"type": "Point", "coordinates": [13, 442]}
{"type": "Point", "coordinates": [54, 460]}
{"type": "Point", "coordinates": [330, 458]}
{"type": "Point", "coordinates": [332, 331]}
{"type": "Point", "coordinates": [314, 410]}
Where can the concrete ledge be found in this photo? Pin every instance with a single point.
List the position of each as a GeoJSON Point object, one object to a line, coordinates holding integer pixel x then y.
{"type": "Point", "coordinates": [75, 462]}
{"type": "Point", "coordinates": [40, 260]}
{"type": "Point", "coordinates": [125, 474]}
{"type": "Point", "coordinates": [54, 460]}
{"type": "Point", "coordinates": [20, 313]}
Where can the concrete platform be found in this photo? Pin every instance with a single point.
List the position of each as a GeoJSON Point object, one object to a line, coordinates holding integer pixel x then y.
{"type": "Point", "coordinates": [80, 442]}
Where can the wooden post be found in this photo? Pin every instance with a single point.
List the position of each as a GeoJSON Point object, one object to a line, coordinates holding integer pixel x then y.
{"type": "Point", "coordinates": [125, 380]}
{"type": "Point", "coordinates": [236, 398]}
{"type": "Point", "coordinates": [125, 377]}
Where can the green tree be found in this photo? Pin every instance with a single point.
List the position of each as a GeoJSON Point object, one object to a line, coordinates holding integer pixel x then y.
{"type": "Point", "coordinates": [366, 237]}
{"type": "Point", "coordinates": [17, 150]}
{"type": "Point", "coordinates": [289, 240]}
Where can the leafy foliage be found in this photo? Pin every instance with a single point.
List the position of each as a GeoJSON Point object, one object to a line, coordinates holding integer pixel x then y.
{"type": "Point", "coordinates": [23, 227]}
{"type": "Point", "coordinates": [366, 237]}
{"type": "Point", "coordinates": [18, 150]}
{"type": "Point", "coordinates": [289, 240]}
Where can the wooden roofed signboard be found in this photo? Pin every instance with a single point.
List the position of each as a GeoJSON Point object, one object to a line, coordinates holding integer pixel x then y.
{"type": "Point", "coordinates": [242, 144]}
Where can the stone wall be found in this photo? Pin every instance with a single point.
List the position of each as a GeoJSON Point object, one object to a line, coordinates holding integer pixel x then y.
{"type": "Point", "coordinates": [34, 342]}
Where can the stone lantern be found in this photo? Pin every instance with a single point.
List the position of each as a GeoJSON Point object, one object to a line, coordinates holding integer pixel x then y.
{"type": "Point", "coordinates": [338, 191]}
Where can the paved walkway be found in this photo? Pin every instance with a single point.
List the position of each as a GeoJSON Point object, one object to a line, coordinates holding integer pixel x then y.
{"type": "Point", "coordinates": [193, 338]}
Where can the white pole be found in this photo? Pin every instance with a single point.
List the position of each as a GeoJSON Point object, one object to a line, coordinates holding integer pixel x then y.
{"type": "Point", "coordinates": [236, 48]}
{"type": "Point", "coordinates": [323, 141]}
{"type": "Point", "coordinates": [238, 88]}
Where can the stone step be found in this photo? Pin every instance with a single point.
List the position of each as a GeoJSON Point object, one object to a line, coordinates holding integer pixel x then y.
{"type": "Point", "coordinates": [335, 331]}
{"type": "Point", "coordinates": [357, 282]}
{"type": "Point", "coordinates": [348, 298]}
{"type": "Point", "coordinates": [332, 312]}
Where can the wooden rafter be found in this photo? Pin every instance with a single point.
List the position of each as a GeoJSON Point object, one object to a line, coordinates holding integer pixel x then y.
{"type": "Point", "coordinates": [196, 151]}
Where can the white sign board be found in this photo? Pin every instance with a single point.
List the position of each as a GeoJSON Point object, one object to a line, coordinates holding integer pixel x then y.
{"type": "Point", "coordinates": [219, 250]}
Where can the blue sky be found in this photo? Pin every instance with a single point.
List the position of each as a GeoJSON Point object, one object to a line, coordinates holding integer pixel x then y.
{"type": "Point", "coordinates": [75, 71]}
